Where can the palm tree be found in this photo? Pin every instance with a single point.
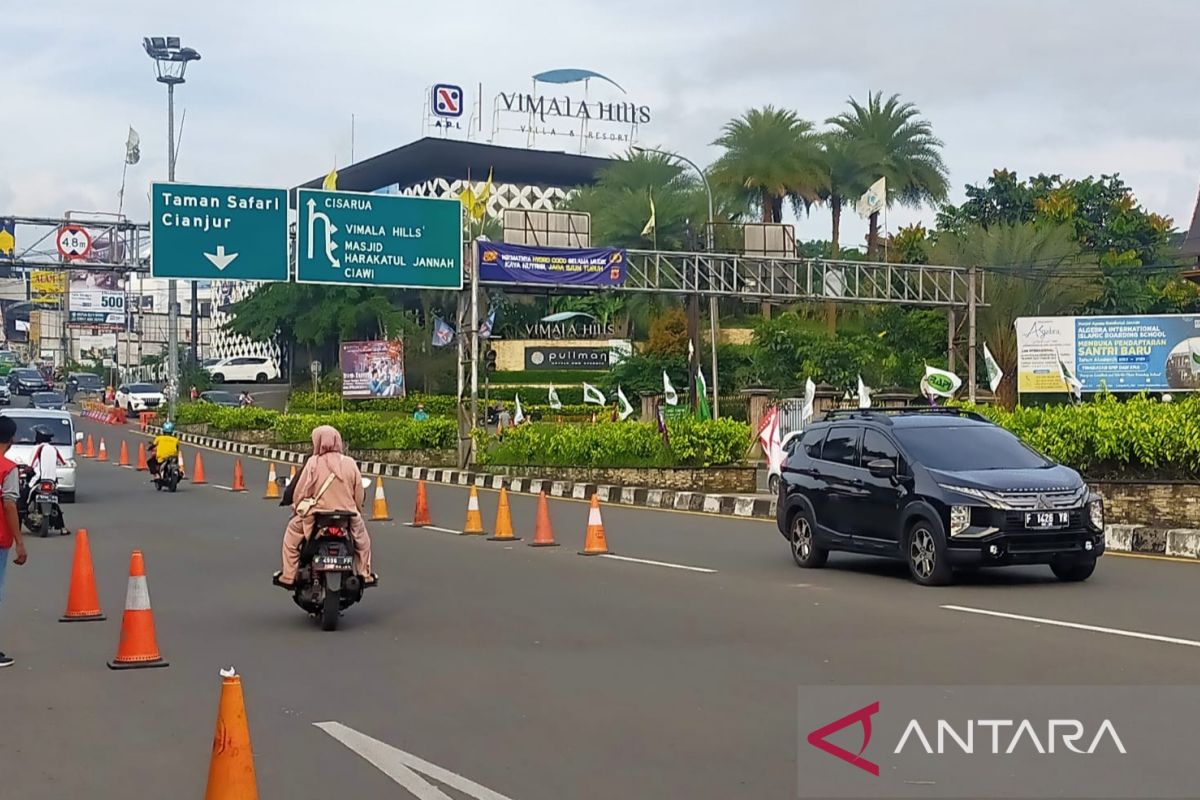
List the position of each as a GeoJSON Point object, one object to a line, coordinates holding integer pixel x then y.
{"type": "Point", "coordinates": [847, 169]}
{"type": "Point", "coordinates": [907, 153]}
{"type": "Point", "coordinates": [770, 155]}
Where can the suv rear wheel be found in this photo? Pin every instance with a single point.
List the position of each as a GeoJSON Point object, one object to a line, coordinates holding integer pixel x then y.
{"type": "Point", "coordinates": [261, 377]}
{"type": "Point", "coordinates": [218, 378]}
{"type": "Point", "coordinates": [805, 550]}
{"type": "Point", "coordinates": [925, 551]}
{"type": "Point", "coordinates": [1073, 570]}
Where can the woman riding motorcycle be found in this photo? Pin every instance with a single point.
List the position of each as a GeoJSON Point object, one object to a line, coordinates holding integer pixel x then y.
{"type": "Point", "coordinates": [344, 493]}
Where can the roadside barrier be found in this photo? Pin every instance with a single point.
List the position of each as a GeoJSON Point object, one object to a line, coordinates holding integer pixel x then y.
{"type": "Point", "coordinates": [144, 418]}
{"type": "Point", "coordinates": [543, 533]}
{"type": "Point", "coordinates": [474, 526]}
{"type": "Point", "coordinates": [272, 484]}
{"type": "Point", "coordinates": [138, 647]}
{"type": "Point", "coordinates": [231, 768]}
{"type": "Point", "coordinates": [239, 481]}
{"type": "Point", "coordinates": [379, 508]}
{"type": "Point", "coordinates": [83, 602]}
{"type": "Point", "coordinates": [198, 472]}
{"type": "Point", "coordinates": [421, 512]}
{"type": "Point", "coordinates": [595, 543]}
{"type": "Point", "coordinates": [504, 528]}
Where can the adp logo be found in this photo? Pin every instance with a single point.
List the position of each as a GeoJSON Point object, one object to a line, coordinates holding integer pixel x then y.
{"type": "Point", "coordinates": [446, 101]}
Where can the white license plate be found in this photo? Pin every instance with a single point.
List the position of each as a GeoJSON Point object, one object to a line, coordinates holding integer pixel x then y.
{"type": "Point", "coordinates": [1047, 519]}
{"type": "Point", "coordinates": [324, 563]}
{"type": "Point", "coordinates": [46, 498]}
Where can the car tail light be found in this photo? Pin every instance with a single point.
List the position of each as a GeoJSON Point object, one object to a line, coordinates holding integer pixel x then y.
{"type": "Point", "coordinates": [335, 531]}
{"type": "Point", "coordinates": [47, 487]}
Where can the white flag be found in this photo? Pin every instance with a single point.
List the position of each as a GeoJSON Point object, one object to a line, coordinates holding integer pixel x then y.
{"type": "Point", "coordinates": [941, 383]}
{"type": "Point", "coordinates": [994, 373]}
{"type": "Point", "coordinates": [691, 350]}
{"type": "Point", "coordinates": [133, 149]}
{"type": "Point", "coordinates": [593, 395]}
{"type": "Point", "coordinates": [864, 394]}
{"type": "Point", "coordinates": [873, 200]}
{"type": "Point", "coordinates": [518, 415]}
{"type": "Point", "coordinates": [555, 403]}
{"type": "Point", "coordinates": [1068, 377]}
{"type": "Point", "coordinates": [669, 393]}
{"type": "Point", "coordinates": [626, 408]}
{"type": "Point", "coordinates": [810, 396]}
{"type": "Point", "coordinates": [769, 438]}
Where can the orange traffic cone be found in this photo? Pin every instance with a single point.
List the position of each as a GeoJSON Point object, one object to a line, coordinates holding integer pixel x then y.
{"type": "Point", "coordinates": [543, 534]}
{"type": "Point", "coordinates": [79, 448]}
{"type": "Point", "coordinates": [102, 453]}
{"type": "Point", "coordinates": [421, 513]}
{"type": "Point", "coordinates": [272, 484]}
{"type": "Point", "coordinates": [239, 482]}
{"type": "Point", "coordinates": [292, 477]}
{"type": "Point", "coordinates": [504, 529]}
{"type": "Point", "coordinates": [198, 472]}
{"type": "Point", "coordinates": [594, 544]}
{"type": "Point", "coordinates": [138, 647]}
{"type": "Point", "coordinates": [83, 604]}
{"type": "Point", "coordinates": [91, 448]}
{"type": "Point", "coordinates": [141, 465]}
{"type": "Point", "coordinates": [379, 509]}
{"type": "Point", "coordinates": [474, 526]}
{"type": "Point", "coordinates": [123, 458]}
{"type": "Point", "coordinates": [231, 770]}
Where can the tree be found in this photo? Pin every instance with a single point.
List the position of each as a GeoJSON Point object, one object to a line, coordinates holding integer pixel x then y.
{"type": "Point", "coordinates": [847, 166]}
{"type": "Point", "coordinates": [770, 155]}
{"type": "Point", "coordinates": [906, 152]}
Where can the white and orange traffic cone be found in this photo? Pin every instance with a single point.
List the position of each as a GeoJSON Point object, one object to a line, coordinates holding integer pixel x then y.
{"type": "Point", "coordinates": [595, 543]}
{"type": "Point", "coordinates": [138, 647]}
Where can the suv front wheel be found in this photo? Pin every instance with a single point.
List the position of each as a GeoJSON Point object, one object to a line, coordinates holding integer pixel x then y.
{"type": "Point", "coordinates": [805, 550]}
{"type": "Point", "coordinates": [925, 552]}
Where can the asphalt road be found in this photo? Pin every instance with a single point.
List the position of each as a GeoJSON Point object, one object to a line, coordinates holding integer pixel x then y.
{"type": "Point", "coordinates": [534, 672]}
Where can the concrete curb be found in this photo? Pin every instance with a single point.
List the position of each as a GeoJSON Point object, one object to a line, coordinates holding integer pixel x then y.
{"type": "Point", "coordinates": [1174, 542]}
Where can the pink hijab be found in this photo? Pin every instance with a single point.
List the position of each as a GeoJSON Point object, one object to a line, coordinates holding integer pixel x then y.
{"type": "Point", "coordinates": [328, 458]}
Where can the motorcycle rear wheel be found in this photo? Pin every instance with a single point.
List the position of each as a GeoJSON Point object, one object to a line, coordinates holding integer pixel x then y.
{"type": "Point", "coordinates": [330, 611]}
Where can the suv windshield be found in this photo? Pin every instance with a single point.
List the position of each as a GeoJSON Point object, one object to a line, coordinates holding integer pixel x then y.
{"type": "Point", "coordinates": [87, 379]}
{"type": "Point", "coordinates": [59, 425]}
{"type": "Point", "coordinates": [966, 448]}
{"type": "Point", "coordinates": [141, 388]}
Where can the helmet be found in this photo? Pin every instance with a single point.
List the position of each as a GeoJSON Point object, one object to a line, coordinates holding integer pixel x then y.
{"type": "Point", "coordinates": [42, 434]}
{"type": "Point", "coordinates": [168, 427]}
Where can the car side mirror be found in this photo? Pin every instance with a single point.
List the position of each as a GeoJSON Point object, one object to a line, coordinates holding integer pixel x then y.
{"type": "Point", "coordinates": [79, 436]}
{"type": "Point", "coordinates": [882, 468]}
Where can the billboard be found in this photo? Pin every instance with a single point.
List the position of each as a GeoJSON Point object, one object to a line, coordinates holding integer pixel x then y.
{"type": "Point", "coordinates": [515, 263]}
{"type": "Point", "coordinates": [594, 358]}
{"type": "Point", "coordinates": [48, 282]}
{"type": "Point", "coordinates": [1121, 354]}
{"type": "Point", "coordinates": [97, 300]}
{"type": "Point", "coordinates": [372, 369]}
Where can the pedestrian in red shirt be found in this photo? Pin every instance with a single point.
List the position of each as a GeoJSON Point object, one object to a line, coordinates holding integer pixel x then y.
{"type": "Point", "coordinates": [10, 528]}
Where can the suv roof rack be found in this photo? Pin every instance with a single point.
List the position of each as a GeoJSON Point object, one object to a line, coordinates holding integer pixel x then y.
{"type": "Point", "coordinates": [884, 414]}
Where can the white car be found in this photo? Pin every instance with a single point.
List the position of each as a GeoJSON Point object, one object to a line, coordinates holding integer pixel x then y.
{"type": "Point", "coordinates": [773, 476]}
{"type": "Point", "coordinates": [63, 427]}
{"type": "Point", "coordinates": [243, 369]}
{"type": "Point", "coordinates": [134, 397]}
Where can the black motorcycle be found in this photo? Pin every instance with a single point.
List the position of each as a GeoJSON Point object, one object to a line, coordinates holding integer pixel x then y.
{"type": "Point", "coordinates": [168, 476]}
{"type": "Point", "coordinates": [326, 584]}
{"type": "Point", "coordinates": [37, 508]}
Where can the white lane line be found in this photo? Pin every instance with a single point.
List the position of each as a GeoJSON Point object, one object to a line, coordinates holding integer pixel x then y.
{"type": "Point", "coordinates": [652, 563]}
{"type": "Point", "coordinates": [1150, 637]}
{"type": "Point", "coordinates": [432, 528]}
{"type": "Point", "coordinates": [219, 486]}
{"type": "Point", "coordinates": [403, 767]}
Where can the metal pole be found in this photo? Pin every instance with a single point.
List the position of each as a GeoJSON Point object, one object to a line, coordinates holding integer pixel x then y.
{"type": "Point", "coordinates": [971, 272]}
{"type": "Point", "coordinates": [712, 324]}
{"type": "Point", "coordinates": [464, 432]}
{"type": "Point", "coordinates": [474, 330]}
{"type": "Point", "coordinates": [195, 325]}
{"type": "Point", "coordinates": [951, 330]}
{"type": "Point", "coordinates": [172, 300]}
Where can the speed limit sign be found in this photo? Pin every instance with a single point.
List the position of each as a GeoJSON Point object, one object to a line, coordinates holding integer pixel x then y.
{"type": "Point", "coordinates": [74, 243]}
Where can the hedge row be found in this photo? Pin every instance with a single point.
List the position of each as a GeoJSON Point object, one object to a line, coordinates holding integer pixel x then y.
{"type": "Point", "coordinates": [556, 376]}
{"type": "Point", "coordinates": [435, 404]}
{"type": "Point", "coordinates": [370, 431]}
{"type": "Point", "coordinates": [226, 419]}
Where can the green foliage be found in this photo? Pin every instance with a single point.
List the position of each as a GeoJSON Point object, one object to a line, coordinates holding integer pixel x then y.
{"type": "Point", "coordinates": [225, 419]}
{"type": "Point", "coordinates": [621, 444]}
{"type": "Point", "coordinates": [771, 154]}
{"type": "Point", "coordinates": [558, 377]}
{"type": "Point", "coordinates": [435, 405]}
{"type": "Point", "coordinates": [572, 393]}
{"type": "Point", "coordinates": [371, 431]}
{"type": "Point", "coordinates": [668, 334]}
{"type": "Point", "coordinates": [315, 315]}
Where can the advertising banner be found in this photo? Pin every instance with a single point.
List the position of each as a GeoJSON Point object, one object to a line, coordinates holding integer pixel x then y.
{"type": "Point", "coordinates": [594, 358]}
{"type": "Point", "coordinates": [1121, 354]}
{"type": "Point", "coordinates": [97, 300]}
{"type": "Point", "coordinates": [372, 369]}
{"type": "Point", "coordinates": [48, 282]}
{"type": "Point", "coordinates": [516, 263]}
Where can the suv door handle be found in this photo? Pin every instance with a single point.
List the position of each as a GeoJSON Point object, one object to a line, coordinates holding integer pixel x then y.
{"type": "Point", "coordinates": [855, 482]}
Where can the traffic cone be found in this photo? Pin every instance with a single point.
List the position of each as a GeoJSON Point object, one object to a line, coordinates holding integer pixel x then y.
{"type": "Point", "coordinates": [141, 465]}
{"type": "Point", "coordinates": [91, 448]}
{"type": "Point", "coordinates": [83, 603]}
{"type": "Point", "coordinates": [138, 647]}
{"type": "Point", "coordinates": [474, 526]}
{"type": "Point", "coordinates": [239, 482]}
{"type": "Point", "coordinates": [79, 448]}
{"type": "Point", "coordinates": [292, 477]}
{"type": "Point", "coordinates": [198, 472]}
{"type": "Point", "coordinates": [504, 529]}
{"type": "Point", "coordinates": [272, 484]}
{"type": "Point", "coordinates": [102, 454]}
{"type": "Point", "coordinates": [594, 544]}
{"type": "Point", "coordinates": [543, 534]}
{"type": "Point", "coordinates": [421, 512]}
{"type": "Point", "coordinates": [379, 509]}
{"type": "Point", "coordinates": [231, 770]}
{"type": "Point", "coordinates": [123, 458]}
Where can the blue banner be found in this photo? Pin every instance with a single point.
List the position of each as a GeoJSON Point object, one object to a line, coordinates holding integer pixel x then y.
{"type": "Point", "coordinates": [515, 263]}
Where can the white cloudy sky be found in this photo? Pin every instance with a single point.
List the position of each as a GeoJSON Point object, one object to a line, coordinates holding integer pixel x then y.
{"type": "Point", "coordinates": [1072, 86]}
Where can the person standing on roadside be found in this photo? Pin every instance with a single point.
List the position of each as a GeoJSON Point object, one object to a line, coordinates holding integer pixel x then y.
{"type": "Point", "coordinates": [10, 528]}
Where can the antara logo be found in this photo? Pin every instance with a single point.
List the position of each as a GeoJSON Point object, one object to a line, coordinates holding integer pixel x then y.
{"type": "Point", "coordinates": [861, 717]}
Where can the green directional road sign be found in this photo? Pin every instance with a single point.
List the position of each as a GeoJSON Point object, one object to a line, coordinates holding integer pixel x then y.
{"type": "Point", "coordinates": [232, 233]}
{"type": "Point", "coordinates": [357, 239]}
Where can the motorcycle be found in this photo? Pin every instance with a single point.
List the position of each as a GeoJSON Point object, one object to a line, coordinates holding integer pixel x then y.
{"type": "Point", "coordinates": [38, 509]}
{"type": "Point", "coordinates": [168, 476]}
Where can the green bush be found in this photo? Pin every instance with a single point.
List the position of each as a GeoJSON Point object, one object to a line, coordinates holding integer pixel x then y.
{"type": "Point", "coordinates": [568, 395]}
{"type": "Point", "coordinates": [371, 431]}
{"type": "Point", "coordinates": [435, 405]}
{"type": "Point", "coordinates": [225, 419]}
{"type": "Point", "coordinates": [621, 444]}
{"type": "Point", "coordinates": [565, 377]}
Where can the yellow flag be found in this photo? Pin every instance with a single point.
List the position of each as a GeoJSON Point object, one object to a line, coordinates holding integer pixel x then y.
{"type": "Point", "coordinates": [330, 182]}
{"type": "Point", "coordinates": [484, 195]}
{"type": "Point", "coordinates": [650, 223]}
{"type": "Point", "coordinates": [467, 197]}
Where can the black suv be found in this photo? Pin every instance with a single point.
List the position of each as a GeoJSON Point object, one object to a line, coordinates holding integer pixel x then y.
{"type": "Point", "coordinates": [939, 488]}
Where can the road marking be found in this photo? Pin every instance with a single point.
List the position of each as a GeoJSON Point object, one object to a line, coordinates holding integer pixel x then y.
{"type": "Point", "coordinates": [1150, 637]}
{"type": "Point", "coordinates": [403, 767]}
{"type": "Point", "coordinates": [219, 486]}
{"type": "Point", "coordinates": [1152, 557]}
{"type": "Point", "coordinates": [653, 563]}
{"type": "Point", "coordinates": [432, 528]}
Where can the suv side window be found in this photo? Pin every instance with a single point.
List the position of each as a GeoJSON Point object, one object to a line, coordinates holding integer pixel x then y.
{"type": "Point", "coordinates": [811, 441]}
{"type": "Point", "coordinates": [841, 446]}
{"type": "Point", "coordinates": [876, 446]}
